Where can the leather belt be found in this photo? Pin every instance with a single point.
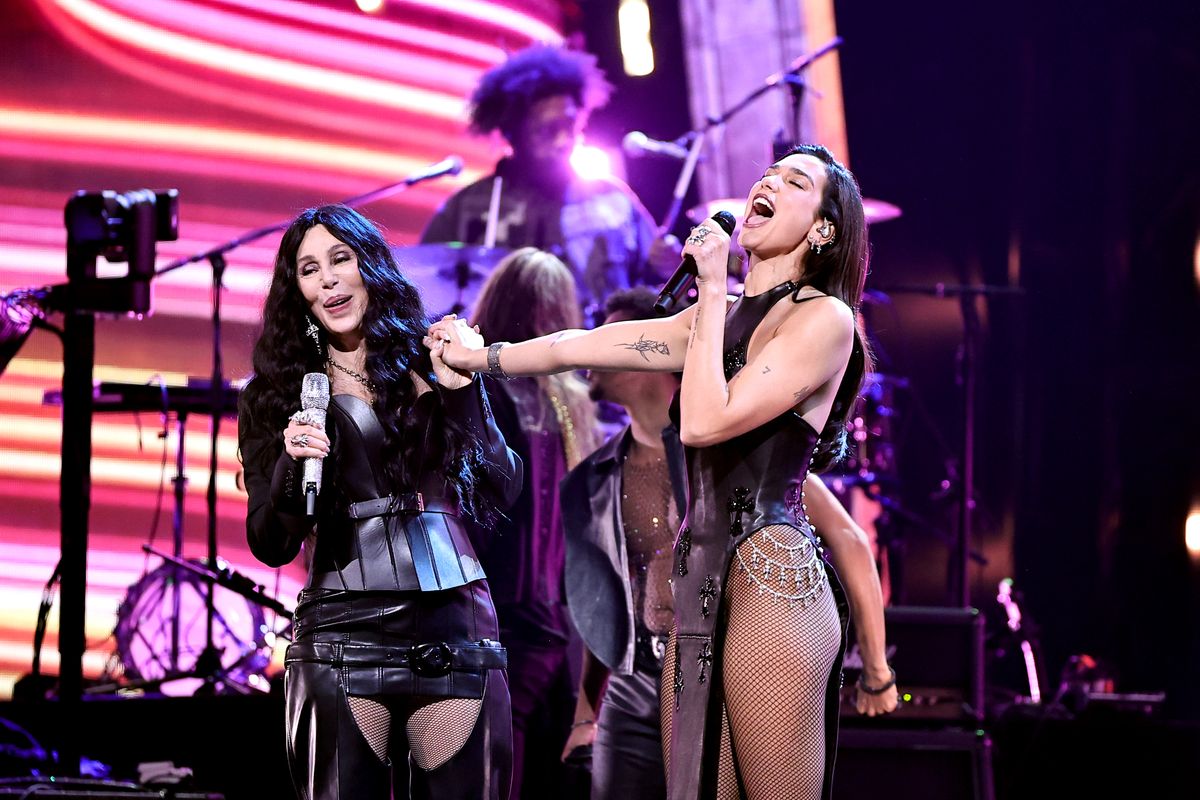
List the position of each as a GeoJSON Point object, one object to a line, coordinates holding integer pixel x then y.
{"type": "Point", "coordinates": [648, 651]}
{"type": "Point", "coordinates": [410, 503]}
{"type": "Point", "coordinates": [429, 660]}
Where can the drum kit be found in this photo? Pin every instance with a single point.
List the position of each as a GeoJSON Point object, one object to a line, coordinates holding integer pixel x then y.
{"type": "Point", "coordinates": [448, 274]}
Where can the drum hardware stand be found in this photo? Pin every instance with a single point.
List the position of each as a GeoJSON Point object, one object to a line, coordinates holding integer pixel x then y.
{"type": "Point", "coordinates": [967, 294]}
{"type": "Point", "coordinates": [694, 139]}
{"type": "Point", "coordinates": [227, 578]}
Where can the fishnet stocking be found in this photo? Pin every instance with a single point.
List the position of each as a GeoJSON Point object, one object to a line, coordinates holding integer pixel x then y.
{"type": "Point", "coordinates": [436, 731]}
{"type": "Point", "coordinates": [439, 730]}
{"type": "Point", "coordinates": [374, 721]}
{"type": "Point", "coordinates": [777, 659]}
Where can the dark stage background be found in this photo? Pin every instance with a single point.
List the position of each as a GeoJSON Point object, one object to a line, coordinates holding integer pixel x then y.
{"type": "Point", "coordinates": [1052, 145]}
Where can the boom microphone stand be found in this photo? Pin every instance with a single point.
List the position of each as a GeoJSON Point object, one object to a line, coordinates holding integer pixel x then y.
{"type": "Point", "coordinates": [967, 295]}
{"type": "Point", "coordinates": [694, 139]}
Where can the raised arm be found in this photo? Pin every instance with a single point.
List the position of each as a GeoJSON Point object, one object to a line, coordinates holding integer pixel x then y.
{"type": "Point", "coordinates": [808, 350]}
{"type": "Point", "coordinates": [656, 345]}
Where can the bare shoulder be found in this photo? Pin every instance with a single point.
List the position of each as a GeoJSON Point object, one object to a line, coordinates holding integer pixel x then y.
{"type": "Point", "coordinates": [815, 313]}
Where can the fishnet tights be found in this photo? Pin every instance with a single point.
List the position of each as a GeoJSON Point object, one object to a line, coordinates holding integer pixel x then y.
{"type": "Point", "coordinates": [436, 731]}
{"type": "Point", "coordinates": [777, 659]}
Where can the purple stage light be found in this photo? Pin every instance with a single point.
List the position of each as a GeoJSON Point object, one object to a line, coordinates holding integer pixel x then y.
{"type": "Point", "coordinates": [591, 163]}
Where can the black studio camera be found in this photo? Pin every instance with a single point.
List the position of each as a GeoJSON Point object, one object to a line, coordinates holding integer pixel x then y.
{"type": "Point", "coordinates": [120, 227]}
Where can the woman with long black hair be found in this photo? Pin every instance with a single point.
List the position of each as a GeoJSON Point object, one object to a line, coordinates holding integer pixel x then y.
{"type": "Point", "coordinates": [395, 664]}
{"type": "Point", "coordinates": [750, 678]}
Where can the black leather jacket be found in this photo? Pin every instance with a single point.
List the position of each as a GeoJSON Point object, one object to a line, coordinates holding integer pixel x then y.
{"type": "Point", "coordinates": [597, 570]}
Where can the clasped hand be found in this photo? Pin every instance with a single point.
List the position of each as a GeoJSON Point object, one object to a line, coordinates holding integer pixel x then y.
{"type": "Point", "coordinates": [450, 340]}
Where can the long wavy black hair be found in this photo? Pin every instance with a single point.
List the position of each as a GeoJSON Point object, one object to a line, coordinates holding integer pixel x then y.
{"type": "Point", "coordinates": [840, 270]}
{"type": "Point", "coordinates": [394, 323]}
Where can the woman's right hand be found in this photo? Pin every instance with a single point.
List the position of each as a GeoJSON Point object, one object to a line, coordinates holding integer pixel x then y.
{"type": "Point", "coordinates": [582, 735]}
{"type": "Point", "coordinates": [303, 438]}
{"type": "Point", "coordinates": [459, 343]}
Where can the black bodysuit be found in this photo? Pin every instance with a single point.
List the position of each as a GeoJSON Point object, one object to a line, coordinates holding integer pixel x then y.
{"type": "Point", "coordinates": [738, 490]}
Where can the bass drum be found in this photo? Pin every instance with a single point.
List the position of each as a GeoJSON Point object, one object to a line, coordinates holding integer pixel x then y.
{"type": "Point", "coordinates": [162, 631]}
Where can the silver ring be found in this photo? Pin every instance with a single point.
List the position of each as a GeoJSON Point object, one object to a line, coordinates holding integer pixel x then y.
{"type": "Point", "coordinates": [300, 440]}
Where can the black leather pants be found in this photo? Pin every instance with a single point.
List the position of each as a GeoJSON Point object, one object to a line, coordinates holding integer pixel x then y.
{"type": "Point", "coordinates": [364, 644]}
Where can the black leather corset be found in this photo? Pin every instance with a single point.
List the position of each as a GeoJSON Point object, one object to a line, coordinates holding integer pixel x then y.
{"type": "Point", "coordinates": [375, 541]}
{"type": "Point", "coordinates": [746, 483]}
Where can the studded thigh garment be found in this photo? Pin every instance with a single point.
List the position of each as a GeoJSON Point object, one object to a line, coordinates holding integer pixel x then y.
{"type": "Point", "coordinates": [782, 637]}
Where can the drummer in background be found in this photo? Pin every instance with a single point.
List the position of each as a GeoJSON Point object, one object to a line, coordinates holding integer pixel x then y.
{"type": "Point", "coordinates": [539, 100]}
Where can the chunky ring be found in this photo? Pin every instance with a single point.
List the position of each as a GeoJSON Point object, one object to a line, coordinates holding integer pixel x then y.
{"type": "Point", "coordinates": [300, 440]}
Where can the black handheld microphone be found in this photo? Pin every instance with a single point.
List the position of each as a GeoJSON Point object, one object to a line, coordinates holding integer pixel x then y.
{"type": "Point", "coordinates": [685, 275]}
{"type": "Point", "coordinates": [314, 398]}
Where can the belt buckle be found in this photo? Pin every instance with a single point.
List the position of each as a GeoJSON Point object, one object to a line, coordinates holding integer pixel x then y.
{"type": "Point", "coordinates": [430, 660]}
{"type": "Point", "coordinates": [658, 646]}
{"type": "Point", "coordinates": [420, 503]}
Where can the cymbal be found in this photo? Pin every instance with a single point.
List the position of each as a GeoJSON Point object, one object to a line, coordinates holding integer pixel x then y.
{"type": "Point", "coordinates": [449, 274]}
{"type": "Point", "coordinates": [447, 259]}
{"type": "Point", "coordinates": [874, 210]}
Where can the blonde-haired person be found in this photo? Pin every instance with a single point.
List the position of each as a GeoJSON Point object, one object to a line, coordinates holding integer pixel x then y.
{"type": "Point", "coordinates": [550, 421]}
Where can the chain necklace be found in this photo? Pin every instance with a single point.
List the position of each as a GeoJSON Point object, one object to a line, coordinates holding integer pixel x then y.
{"type": "Point", "coordinates": [358, 376]}
{"type": "Point", "coordinates": [566, 427]}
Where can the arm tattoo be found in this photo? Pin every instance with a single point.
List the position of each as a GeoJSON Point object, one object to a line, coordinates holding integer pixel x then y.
{"type": "Point", "coordinates": [766, 370]}
{"type": "Point", "coordinates": [800, 395]}
{"type": "Point", "coordinates": [557, 338]}
{"type": "Point", "coordinates": [644, 346]}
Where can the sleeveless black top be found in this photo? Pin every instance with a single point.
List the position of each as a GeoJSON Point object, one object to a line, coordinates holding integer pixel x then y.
{"type": "Point", "coordinates": [734, 488]}
{"type": "Point", "coordinates": [746, 483]}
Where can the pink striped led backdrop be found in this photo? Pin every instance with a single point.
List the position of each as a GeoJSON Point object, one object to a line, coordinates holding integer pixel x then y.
{"type": "Point", "coordinates": [252, 109]}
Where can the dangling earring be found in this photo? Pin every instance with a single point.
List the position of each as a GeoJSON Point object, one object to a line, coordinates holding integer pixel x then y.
{"type": "Point", "coordinates": [315, 333]}
{"type": "Point", "coordinates": [825, 230]}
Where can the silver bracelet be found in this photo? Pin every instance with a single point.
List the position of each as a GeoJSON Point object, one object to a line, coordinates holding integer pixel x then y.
{"type": "Point", "coordinates": [493, 361]}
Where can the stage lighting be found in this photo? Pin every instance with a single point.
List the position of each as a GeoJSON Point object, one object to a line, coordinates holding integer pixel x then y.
{"type": "Point", "coordinates": [637, 51]}
{"type": "Point", "coordinates": [591, 163]}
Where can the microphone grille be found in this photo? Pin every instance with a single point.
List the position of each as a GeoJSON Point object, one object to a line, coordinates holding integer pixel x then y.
{"type": "Point", "coordinates": [726, 220]}
{"type": "Point", "coordinates": [314, 391]}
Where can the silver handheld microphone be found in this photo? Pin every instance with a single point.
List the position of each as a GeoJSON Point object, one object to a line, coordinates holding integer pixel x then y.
{"type": "Point", "coordinates": [314, 398]}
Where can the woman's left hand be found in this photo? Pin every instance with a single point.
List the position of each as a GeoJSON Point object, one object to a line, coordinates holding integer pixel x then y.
{"type": "Point", "coordinates": [447, 376]}
{"type": "Point", "coordinates": [876, 704]}
{"type": "Point", "coordinates": [710, 251]}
